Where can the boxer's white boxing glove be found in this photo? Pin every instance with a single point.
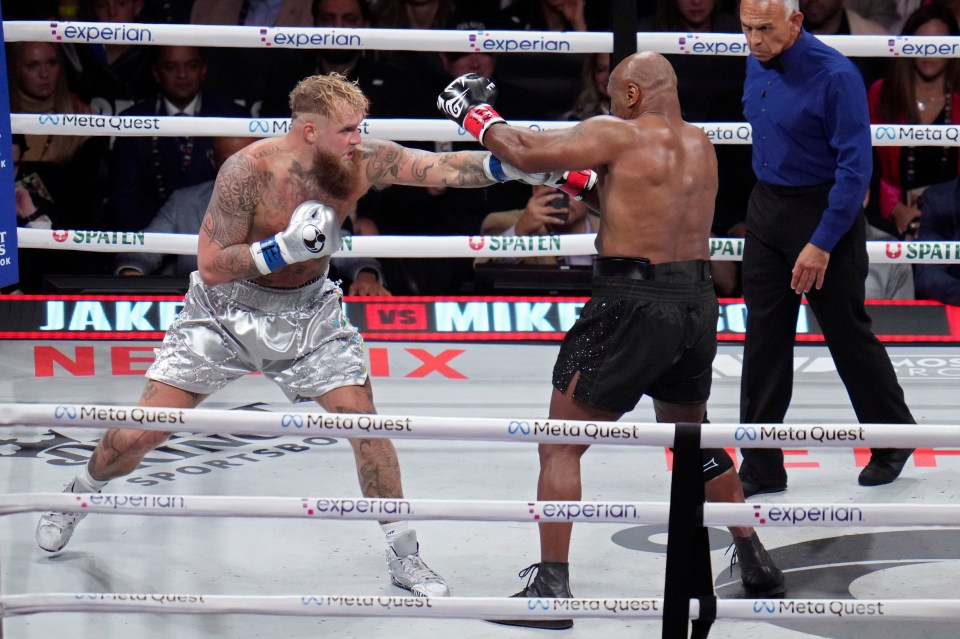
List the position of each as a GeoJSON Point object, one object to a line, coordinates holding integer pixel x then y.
{"type": "Point", "coordinates": [468, 101]}
{"type": "Point", "coordinates": [314, 231]}
{"type": "Point", "coordinates": [573, 183]}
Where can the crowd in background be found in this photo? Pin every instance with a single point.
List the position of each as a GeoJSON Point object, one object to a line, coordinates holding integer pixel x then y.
{"type": "Point", "coordinates": [161, 183]}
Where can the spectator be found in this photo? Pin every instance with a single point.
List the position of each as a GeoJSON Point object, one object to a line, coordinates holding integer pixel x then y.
{"type": "Point", "coordinates": [594, 98]}
{"type": "Point", "coordinates": [146, 170]}
{"type": "Point", "coordinates": [110, 77]}
{"type": "Point", "coordinates": [365, 68]}
{"type": "Point", "coordinates": [183, 213]}
{"type": "Point", "coordinates": [242, 75]}
{"type": "Point", "coordinates": [67, 168]}
{"type": "Point", "coordinates": [548, 212]}
{"type": "Point", "coordinates": [916, 91]}
{"type": "Point", "coordinates": [941, 223]}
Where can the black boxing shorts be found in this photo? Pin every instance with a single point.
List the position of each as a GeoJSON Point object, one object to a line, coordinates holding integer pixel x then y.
{"type": "Point", "coordinates": [648, 329]}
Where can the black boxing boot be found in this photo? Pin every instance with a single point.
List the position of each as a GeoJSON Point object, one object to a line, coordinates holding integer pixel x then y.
{"type": "Point", "coordinates": [760, 576]}
{"type": "Point", "coordinates": [552, 581]}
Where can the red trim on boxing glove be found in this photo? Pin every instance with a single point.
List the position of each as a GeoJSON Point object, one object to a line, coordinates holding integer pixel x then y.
{"type": "Point", "coordinates": [479, 119]}
{"type": "Point", "coordinates": [577, 183]}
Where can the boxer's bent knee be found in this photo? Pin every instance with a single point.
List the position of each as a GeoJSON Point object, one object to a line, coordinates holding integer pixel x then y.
{"type": "Point", "coordinates": [716, 461]}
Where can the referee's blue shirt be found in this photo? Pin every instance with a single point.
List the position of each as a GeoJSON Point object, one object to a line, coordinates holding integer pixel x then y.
{"type": "Point", "coordinates": [811, 125]}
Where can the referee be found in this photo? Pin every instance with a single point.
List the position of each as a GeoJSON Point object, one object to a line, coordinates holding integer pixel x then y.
{"type": "Point", "coordinates": [806, 234]}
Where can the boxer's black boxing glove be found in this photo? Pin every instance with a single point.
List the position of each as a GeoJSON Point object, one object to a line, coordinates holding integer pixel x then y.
{"type": "Point", "coordinates": [468, 101]}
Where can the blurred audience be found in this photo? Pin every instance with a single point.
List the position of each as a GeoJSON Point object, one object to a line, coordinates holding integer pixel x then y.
{"type": "Point", "coordinates": [553, 78]}
{"type": "Point", "coordinates": [146, 170]}
{"type": "Point", "coordinates": [242, 75]}
{"type": "Point", "coordinates": [830, 17]}
{"type": "Point", "coordinates": [383, 88]}
{"type": "Point", "coordinates": [940, 205]}
{"type": "Point", "coordinates": [67, 169]}
{"type": "Point", "coordinates": [110, 77]}
{"type": "Point", "coordinates": [594, 98]}
{"type": "Point", "coordinates": [916, 91]}
{"type": "Point", "coordinates": [886, 13]}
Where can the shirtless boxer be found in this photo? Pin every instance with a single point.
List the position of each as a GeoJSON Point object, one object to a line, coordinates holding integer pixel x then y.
{"type": "Point", "coordinates": [261, 300]}
{"type": "Point", "coordinates": [650, 327]}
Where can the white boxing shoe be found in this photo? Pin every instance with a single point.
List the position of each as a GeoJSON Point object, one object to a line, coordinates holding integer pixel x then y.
{"type": "Point", "coordinates": [55, 528]}
{"type": "Point", "coordinates": [408, 570]}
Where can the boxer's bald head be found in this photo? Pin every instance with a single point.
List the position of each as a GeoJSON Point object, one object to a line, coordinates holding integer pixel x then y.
{"type": "Point", "coordinates": [644, 81]}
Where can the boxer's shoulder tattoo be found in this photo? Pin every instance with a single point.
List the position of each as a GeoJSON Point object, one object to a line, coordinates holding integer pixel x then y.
{"type": "Point", "coordinates": [267, 152]}
{"type": "Point", "coordinates": [237, 193]}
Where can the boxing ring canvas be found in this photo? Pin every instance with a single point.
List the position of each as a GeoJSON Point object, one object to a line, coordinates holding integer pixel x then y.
{"type": "Point", "coordinates": [151, 554]}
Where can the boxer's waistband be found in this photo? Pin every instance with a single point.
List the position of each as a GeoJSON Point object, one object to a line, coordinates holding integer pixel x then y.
{"type": "Point", "coordinates": [638, 268]}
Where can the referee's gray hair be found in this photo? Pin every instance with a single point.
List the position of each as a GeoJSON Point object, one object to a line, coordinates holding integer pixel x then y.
{"type": "Point", "coordinates": [789, 6]}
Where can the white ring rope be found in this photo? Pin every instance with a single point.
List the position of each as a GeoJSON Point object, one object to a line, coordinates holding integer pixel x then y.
{"type": "Point", "coordinates": [368, 508]}
{"type": "Point", "coordinates": [721, 249]}
{"type": "Point", "coordinates": [418, 130]}
{"type": "Point", "coordinates": [505, 429]}
{"type": "Point", "coordinates": [756, 610]}
{"type": "Point", "coordinates": [311, 37]}
{"type": "Point", "coordinates": [879, 46]}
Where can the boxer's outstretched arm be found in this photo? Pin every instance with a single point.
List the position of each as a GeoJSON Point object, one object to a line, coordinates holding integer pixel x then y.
{"type": "Point", "coordinates": [223, 253]}
{"type": "Point", "coordinates": [589, 145]}
{"type": "Point", "coordinates": [390, 163]}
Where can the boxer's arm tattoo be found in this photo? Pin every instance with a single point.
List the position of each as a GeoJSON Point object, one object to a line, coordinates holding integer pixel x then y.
{"type": "Point", "coordinates": [237, 193]}
{"type": "Point", "coordinates": [390, 163]}
{"type": "Point", "coordinates": [384, 166]}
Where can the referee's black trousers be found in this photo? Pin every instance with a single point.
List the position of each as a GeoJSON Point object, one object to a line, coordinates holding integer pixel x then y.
{"type": "Point", "coordinates": [780, 222]}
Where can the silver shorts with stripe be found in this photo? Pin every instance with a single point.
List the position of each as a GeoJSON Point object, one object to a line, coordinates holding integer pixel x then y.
{"type": "Point", "coordinates": [299, 338]}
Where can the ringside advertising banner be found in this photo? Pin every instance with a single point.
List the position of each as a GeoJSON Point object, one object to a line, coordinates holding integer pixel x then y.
{"type": "Point", "coordinates": [444, 319]}
{"type": "Point", "coordinates": [9, 272]}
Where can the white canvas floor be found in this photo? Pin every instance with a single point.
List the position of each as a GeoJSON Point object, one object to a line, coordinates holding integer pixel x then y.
{"type": "Point", "coordinates": [292, 557]}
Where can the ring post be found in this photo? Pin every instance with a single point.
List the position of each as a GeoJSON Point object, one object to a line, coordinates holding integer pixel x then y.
{"type": "Point", "coordinates": [688, 573]}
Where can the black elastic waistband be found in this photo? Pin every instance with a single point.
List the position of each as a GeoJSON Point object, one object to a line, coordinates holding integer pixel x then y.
{"type": "Point", "coordinates": [641, 269]}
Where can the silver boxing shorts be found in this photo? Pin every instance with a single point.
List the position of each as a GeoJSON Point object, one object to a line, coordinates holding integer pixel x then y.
{"type": "Point", "coordinates": [299, 338]}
